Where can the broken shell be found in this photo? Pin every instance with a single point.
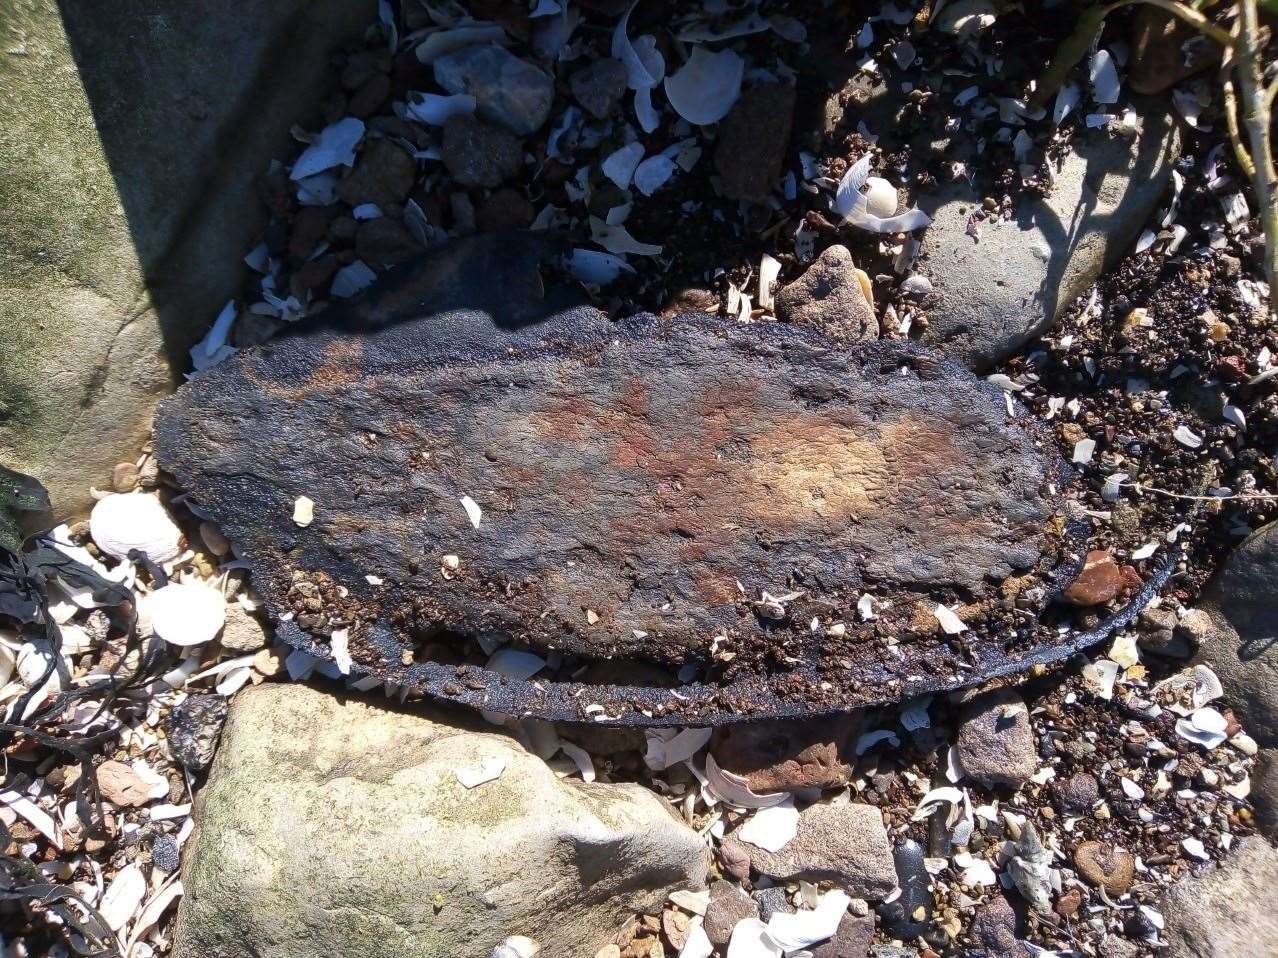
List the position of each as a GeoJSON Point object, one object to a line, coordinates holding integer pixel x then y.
{"type": "Point", "coordinates": [123, 522]}
{"type": "Point", "coordinates": [184, 613]}
{"type": "Point", "coordinates": [303, 511]}
{"type": "Point", "coordinates": [880, 197]}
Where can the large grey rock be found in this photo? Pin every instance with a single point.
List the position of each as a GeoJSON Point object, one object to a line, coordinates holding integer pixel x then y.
{"type": "Point", "coordinates": [1241, 644]}
{"type": "Point", "coordinates": [995, 742]}
{"type": "Point", "coordinates": [846, 844]}
{"type": "Point", "coordinates": [998, 291]}
{"type": "Point", "coordinates": [332, 826]}
{"type": "Point", "coordinates": [1229, 911]}
{"type": "Point", "coordinates": [508, 91]}
{"type": "Point", "coordinates": [130, 136]}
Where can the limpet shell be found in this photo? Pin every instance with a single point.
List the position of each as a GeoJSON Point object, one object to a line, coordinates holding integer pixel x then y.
{"type": "Point", "coordinates": [123, 522]}
{"type": "Point", "coordinates": [184, 613]}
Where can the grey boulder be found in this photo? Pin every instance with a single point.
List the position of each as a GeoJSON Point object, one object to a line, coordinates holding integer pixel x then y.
{"type": "Point", "coordinates": [1229, 911]}
{"type": "Point", "coordinates": [995, 742]}
{"type": "Point", "coordinates": [846, 844]}
{"type": "Point", "coordinates": [1008, 283]}
{"type": "Point", "coordinates": [508, 91]}
{"type": "Point", "coordinates": [333, 826]}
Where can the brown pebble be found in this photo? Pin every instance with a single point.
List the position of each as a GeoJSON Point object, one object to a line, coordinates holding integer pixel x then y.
{"type": "Point", "coordinates": [124, 477]}
{"type": "Point", "coordinates": [1100, 580]}
{"type": "Point", "coordinates": [674, 924]}
{"type": "Point", "coordinates": [1068, 904]}
{"type": "Point", "coordinates": [122, 786]}
{"type": "Point", "coordinates": [1106, 866]}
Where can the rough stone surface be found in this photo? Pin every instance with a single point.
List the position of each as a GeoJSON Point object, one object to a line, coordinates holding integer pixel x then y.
{"type": "Point", "coordinates": [995, 742]}
{"type": "Point", "coordinates": [1099, 581]}
{"type": "Point", "coordinates": [1229, 911]}
{"type": "Point", "coordinates": [1264, 792]}
{"type": "Point", "coordinates": [121, 785]}
{"type": "Point", "coordinates": [846, 844]}
{"type": "Point", "coordinates": [1078, 793]}
{"type": "Point", "coordinates": [478, 153]}
{"type": "Point", "coordinates": [831, 296]}
{"type": "Point", "coordinates": [994, 926]}
{"type": "Point", "coordinates": [787, 755]}
{"type": "Point", "coordinates": [753, 140]}
{"type": "Point", "coordinates": [125, 208]}
{"type": "Point", "coordinates": [384, 241]}
{"type": "Point", "coordinates": [1105, 866]}
{"type": "Point", "coordinates": [192, 729]}
{"type": "Point", "coordinates": [851, 939]}
{"type": "Point", "coordinates": [599, 87]}
{"type": "Point", "coordinates": [507, 90]}
{"type": "Point", "coordinates": [996, 293]}
{"type": "Point", "coordinates": [242, 632]}
{"type": "Point", "coordinates": [692, 441]}
{"type": "Point", "coordinates": [383, 175]}
{"type": "Point", "coordinates": [772, 901]}
{"type": "Point", "coordinates": [728, 905]}
{"type": "Point", "coordinates": [334, 826]}
{"type": "Point", "coordinates": [1241, 641]}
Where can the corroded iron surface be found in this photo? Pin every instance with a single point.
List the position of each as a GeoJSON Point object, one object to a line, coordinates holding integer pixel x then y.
{"type": "Point", "coordinates": [681, 493]}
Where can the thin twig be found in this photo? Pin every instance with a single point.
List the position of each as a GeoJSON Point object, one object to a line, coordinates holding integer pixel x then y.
{"type": "Point", "coordinates": [1257, 121]}
{"type": "Point", "coordinates": [1244, 496]}
{"type": "Point", "coordinates": [1231, 105]}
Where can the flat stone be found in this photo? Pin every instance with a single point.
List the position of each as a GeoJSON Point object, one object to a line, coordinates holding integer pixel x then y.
{"type": "Point", "coordinates": [772, 901]}
{"type": "Point", "coordinates": [508, 91]}
{"type": "Point", "coordinates": [128, 207]}
{"type": "Point", "coordinates": [331, 825]}
{"type": "Point", "coordinates": [1099, 581]}
{"type": "Point", "coordinates": [846, 844]}
{"type": "Point", "coordinates": [784, 755]}
{"type": "Point", "coordinates": [384, 173]}
{"type": "Point", "coordinates": [997, 291]}
{"type": "Point", "coordinates": [599, 87]}
{"type": "Point", "coordinates": [710, 454]}
{"type": "Point", "coordinates": [728, 905]}
{"type": "Point", "coordinates": [121, 785]}
{"type": "Point", "coordinates": [1228, 911]}
{"type": "Point", "coordinates": [242, 633]}
{"type": "Point", "coordinates": [851, 939]}
{"type": "Point", "coordinates": [1105, 866]}
{"type": "Point", "coordinates": [831, 296]}
{"type": "Point", "coordinates": [995, 742]}
{"type": "Point", "coordinates": [753, 140]}
{"type": "Point", "coordinates": [478, 153]}
{"type": "Point", "coordinates": [1239, 637]}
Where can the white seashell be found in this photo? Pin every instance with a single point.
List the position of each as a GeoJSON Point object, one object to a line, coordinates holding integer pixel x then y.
{"type": "Point", "coordinates": [705, 88]}
{"type": "Point", "coordinates": [121, 523]}
{"type": "Point", "coordinates": [880, 197]}
{"type": "Point", "coordinates": [33, 659]}
{"type": "Point", "coordinates": [184, 613]}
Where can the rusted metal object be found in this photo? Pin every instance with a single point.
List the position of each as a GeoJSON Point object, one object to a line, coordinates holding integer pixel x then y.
{"type": "Point", "coordinates": [707, 499]}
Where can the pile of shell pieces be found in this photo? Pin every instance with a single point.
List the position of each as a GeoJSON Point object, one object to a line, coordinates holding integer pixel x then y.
{"type": "Point", "coordinates": [1084, 798]}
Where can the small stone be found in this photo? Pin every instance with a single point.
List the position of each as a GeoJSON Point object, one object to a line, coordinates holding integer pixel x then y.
{"type": "Point", "coordinates": [1105, 866]}
{"type": "Point", "coordinates": [371, 95]}
{"type": "Point", "coordinates": [1079, 793]}
{"type": "Point", "coordinates": [772, 901]}
{"type": "Point", "coordinates": [994, 926]}
{"type": "Point", "coordinates": [995, 742]}
{"type": "Point", "coordinates": [753, 140]}
{"type": "Point", "coordinates": [164, 853]}
{"type": "Point", "coordinates": [124, 477]}
{"type": "Point", "coordinates": [478, 153]}
{"type": "Point", "coordinates": [1068, 904]}
{"type": "Point", "coordinates": [833, 295]}
{"type": "Point", "coordinates": [242, 633]}
{"type": "Point", "coordinates": [1112, 946]}
{"type": "Point", "coordinates": [599, 87]}
{"type": "Point", "coordinates": [383, 174]}
{"type": "Point", "coordinates": [507, 90]}
{"type": "Point", "coordinates": [1159, 636]}
{"type": "Point", "coordinates": [122, 786]}
{"type": "Point", "coordinates": [846, 844]}
{"type": "Point", "coordinates": [193, 728]}
{"type": "Point", "coordinates": [385, 242]}
{"type": "Point", "coordinates": [1099, 581]}
{"type": "Point", "coordinates": [505, 210]}
{"type": "Point", "coordinates": [851, 939]}
{"type": "Point", "coordinates": [728, 905]}
{"type": "Point", "coordinates": [785, 755]}
{"type": "Point", "coordinates": [608, 951]}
